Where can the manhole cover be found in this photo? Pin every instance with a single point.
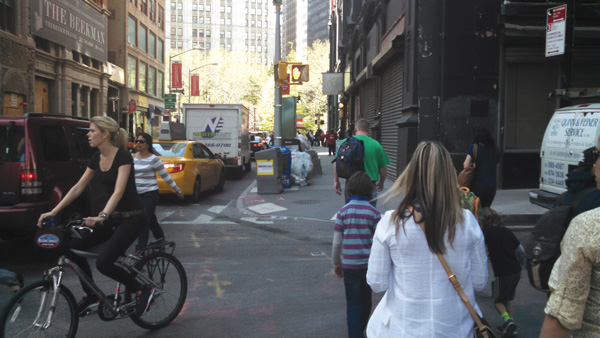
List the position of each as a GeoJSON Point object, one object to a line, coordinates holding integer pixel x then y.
{"type": "Point", "coordinates": [307, 202]}
{"type": "Point", "coordinates": [215, 201]}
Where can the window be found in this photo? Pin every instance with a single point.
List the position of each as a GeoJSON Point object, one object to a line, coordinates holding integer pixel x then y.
{"type": "Point", "coordinates": [194, 44]}
{"type": "Point", "coordinates": [201, 19]}
{"type": "Point", "coordinates": [134, 2]}
{"type": "Point", "coordinates": [201, 7]}
{"type": "Point", "coordinates": [222, 9]}
{"type": "Point", "coordinates": [252, 11]}
{"type": "Point", "coordinates": [179, 44]}
{"type": "Point", "coordinates": [173, 5]}
{"type": "Point", "coordinates": [259, 11]}
{"type": "Point", "coordinates": [7, 16]}
{"type": "Point", "coordinates": [259, 23]}
{"type": "Point", "coordinates": [144, 6]}
{"type": "Point", "coordinates": [228, 22]}
{"type": "Point", "coordinates": [132, 31]}
{"type": "Point", "coordinates": [152, 10]}
{"type": "Point", "coordinates": [143, 38]}
{"type": "Point", "coordinates": [131, 72]}
{"type": "Point", "coordinates": [152, 81]}
{"type": "Point", "coordinates": [194, 7]}
{"type": "Point", "coordinates": [201, 33]}
{"type": "Point", "coordinates": [180, 6]}
{"type": "Point", "coordinates": [222, 46]}
{"type": "Point", "coordinates": [194, 19]}
{"type": "Point", "coordinates": [208, 33]}
{"type": "Point", "coordinates": [173, 17]}
{"type": "Point", "coordinates": [228, 47]}
{"type": "Point", "coordinates": [160, 50]}
{"type": "Point", "coordinates": [222, 34]}
{"type": "Point", "coordinates": [228, 35]}
{"type": "Point", "coordinates": [207, 45]}
{"type": "Point", "coordinates": [201, 45]}
{"type": "Point", "coordinates": [208, 20]}
{"type": "Point", "coordinates": [180, 18]}
{"type": "Point", "coordinates": [173, 31]}
{"type": "Point", "coordinates": [222, 21]}
{"type": "Point", "coordinates": [259, 36]}
{"type": "Point", "coordinates": [194, 32]}
{"type": "Point", "coordinates": [180, 31]}
{"type": "Point", "coordinates": [161, 17]}
{"type": "Point", "coordinates": [160, 82]}
{"type": "Point", "coordinates": [207, 8]}
{"type": "Point", "coordinates": [152, 45]}
{"type": "Point", "coordinates": [143, 72]}
{"type": "Point", "coordinates": [172, 44]}
{"type": "Point", "coordinates": [54, 140]}
{"type": "Point", "coordinates": [228, 9]}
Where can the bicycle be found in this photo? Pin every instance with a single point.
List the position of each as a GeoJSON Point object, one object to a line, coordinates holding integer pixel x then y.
{"type": "Point", "coordinates": [48, 308]}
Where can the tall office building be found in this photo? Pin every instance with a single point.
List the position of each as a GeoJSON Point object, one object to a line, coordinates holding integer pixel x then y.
{"type": "Point", "coordinates": [304, 21]}
{"type": "Point", "coordinates": [241, 26]}
{"type": "Point", "coordinates": [317, 21]}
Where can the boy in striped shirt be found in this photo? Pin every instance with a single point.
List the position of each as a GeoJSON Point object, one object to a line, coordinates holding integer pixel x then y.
{"type": "Point", "coordinates": [352, 238]}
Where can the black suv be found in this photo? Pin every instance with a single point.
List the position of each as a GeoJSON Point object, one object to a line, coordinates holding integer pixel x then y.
{"type": "Point", "coordinates": [41, 157]}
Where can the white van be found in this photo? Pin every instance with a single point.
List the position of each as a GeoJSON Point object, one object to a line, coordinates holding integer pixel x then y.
{"type": "Point", "coordinates": [165, 131]}
{"type": "Point", "coordinates": [570, 131]}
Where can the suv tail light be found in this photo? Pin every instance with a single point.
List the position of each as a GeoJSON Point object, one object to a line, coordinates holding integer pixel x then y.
{"type": "Point", "coordinates": [175, 167]}
{"type": "Point", "coordinates": [239, 145]}
{"type": "Point", "coordinates": [31, 183]}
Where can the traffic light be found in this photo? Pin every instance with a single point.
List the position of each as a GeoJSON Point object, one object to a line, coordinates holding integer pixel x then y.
{"type": "Point", "coordinates": [280, 72]}
{"type": "Point", "coordinates": [299, 73]}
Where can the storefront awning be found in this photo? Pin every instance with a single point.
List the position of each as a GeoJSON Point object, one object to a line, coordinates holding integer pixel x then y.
{"type": "Point", "coordinates": [300, 125]}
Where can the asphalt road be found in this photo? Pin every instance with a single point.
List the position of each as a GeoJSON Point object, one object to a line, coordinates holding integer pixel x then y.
{"type": "Point", "coordinates": [251, 276]}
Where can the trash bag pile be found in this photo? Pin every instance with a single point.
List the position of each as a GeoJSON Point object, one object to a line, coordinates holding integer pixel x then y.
{"type": "Point", "coordinates": [304, 143]}
{"type": "Point", "coordinates": [301, 166]}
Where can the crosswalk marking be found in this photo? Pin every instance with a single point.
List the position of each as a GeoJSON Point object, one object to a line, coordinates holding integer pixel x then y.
{"type": "Point", "coordinates": [255, 220]}
{"type": "Point", "coordinates": [217, 209]}
{"type": "Point", "coordinates": [266, 208]}
{"type": "Point", "coordinates": [202, 219]}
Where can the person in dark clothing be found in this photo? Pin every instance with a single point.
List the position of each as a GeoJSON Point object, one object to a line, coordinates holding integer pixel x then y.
{"type": "Point", "coordinates": [578, 180]}
{"type": "Point", "coordinates": [504, 250]}
{"type": "Point", "coordinates": [486, 161]}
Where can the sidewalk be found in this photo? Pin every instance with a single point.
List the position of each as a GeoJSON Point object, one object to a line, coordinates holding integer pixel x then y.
{"type": "Point", "coordinates": [318, 201]}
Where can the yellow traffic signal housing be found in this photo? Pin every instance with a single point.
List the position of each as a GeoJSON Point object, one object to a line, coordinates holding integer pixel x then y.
{"type": "Point", "coordinates": [299, 73]}
{"type": "Point", "coordinates": [280, 71]}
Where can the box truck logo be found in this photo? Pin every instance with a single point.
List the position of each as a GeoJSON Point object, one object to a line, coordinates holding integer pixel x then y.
{"type": "Point", "coordinates": [212, 126]}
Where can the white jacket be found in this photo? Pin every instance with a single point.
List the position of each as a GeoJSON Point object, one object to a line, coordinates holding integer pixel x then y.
{"type": "Point", "coordinates": [420, 301]}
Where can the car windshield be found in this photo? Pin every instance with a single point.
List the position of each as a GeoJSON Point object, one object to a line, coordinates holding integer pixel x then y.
{"type": "Point", "coordinates": [12, 143]}
{"type": "Point", "coordinates": [170, 149]}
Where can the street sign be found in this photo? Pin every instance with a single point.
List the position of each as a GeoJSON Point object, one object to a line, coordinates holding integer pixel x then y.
{"type": "Point", "coordinates": [171, 98]}
{"type": "Point", "coordinates": [169, 105]}
{"type": "Point", "coordinates": [131, 106]}
{"type": "Point", "coordinates": [556, 26]}
{"type": "Point", "coordinates": [318, 115]}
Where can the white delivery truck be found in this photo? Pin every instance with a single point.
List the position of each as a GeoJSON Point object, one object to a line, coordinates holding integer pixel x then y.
{"type": "Point", "coordinates": [223, 128]}
{"type": "Point", "coordinates": [570, 131]}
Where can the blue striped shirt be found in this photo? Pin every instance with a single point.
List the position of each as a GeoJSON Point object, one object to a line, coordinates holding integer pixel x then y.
{"type": "Point", "coordinates": [356, 220]}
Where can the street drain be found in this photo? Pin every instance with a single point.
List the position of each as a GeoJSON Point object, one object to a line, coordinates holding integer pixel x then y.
{"type": "Point", "coordinates": [307, 202]}
{"type": "Point", "coordinates": [215, 201]}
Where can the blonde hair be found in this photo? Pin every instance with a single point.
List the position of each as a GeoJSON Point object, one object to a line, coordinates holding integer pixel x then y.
{"type": "Point", "coordinates": [118, 136]}
{"type": "Point", "coordinates": [429, 185]}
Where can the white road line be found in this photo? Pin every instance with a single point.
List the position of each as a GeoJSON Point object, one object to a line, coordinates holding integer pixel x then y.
{"type": "Point", "coordinates": [266, 208]}
{"type": "Point", "coordinates": [217, 209]}
{"type": "Point", "coordinates": [202, 219]}
{"type": "Point", "coordinates": [166, 214]}
{"type": "Point", "coordinates": [255, 220]}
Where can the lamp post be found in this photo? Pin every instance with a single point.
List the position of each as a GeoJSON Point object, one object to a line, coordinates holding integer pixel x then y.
{"type": "Point", "coordinates": [190, 77]}
{"type": "Point", "coordinates": [171, 71]}
{"type": "Point", "coordinates": [277, 113]}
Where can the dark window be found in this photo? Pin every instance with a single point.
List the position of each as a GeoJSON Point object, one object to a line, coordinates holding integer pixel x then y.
{"type": "Point", "coordinates": [82, 146]}
{"type": "Point", "coordinates": [12, 143]}
{"type": "Point", "coordinates": [207, 153]}
{"type": "Point", "coordinates": [144, 6]}
{"type": "Point", "coordinates": [197, 151]}
{"type": "Point", "coordinates": [54, 141]}
{"type": "Point", "coordinates": [7, 15]}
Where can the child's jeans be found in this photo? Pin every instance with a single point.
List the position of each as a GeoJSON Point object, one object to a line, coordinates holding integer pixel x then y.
{"type": "Point", "coordinates": [358, 301]}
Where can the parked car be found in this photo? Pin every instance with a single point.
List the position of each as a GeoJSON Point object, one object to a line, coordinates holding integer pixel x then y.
{"type": "Point", "coordinates": [192, 165]}
{"type": "Point", "coordinates": [263, 137]}
{"type": "Point", "coordinates": [256, 144]}
{"type": "Point", "coordinates": [41, 157]}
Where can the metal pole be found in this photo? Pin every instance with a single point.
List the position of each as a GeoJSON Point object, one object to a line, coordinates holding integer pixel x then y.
{"type": "Point", "coordinates": [277, 118]}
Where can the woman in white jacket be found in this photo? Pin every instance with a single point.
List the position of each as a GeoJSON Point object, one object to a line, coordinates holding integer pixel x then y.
{"type": "Point", "coordinates": [420, 301]}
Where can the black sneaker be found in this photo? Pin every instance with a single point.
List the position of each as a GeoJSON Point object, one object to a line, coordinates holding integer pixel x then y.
{"type": "Point", "coordinates": [143, 300]}
{"type": "Point", "coordinates": [508, 329]}
{"type": "Point", "coordinates": [85, 303]}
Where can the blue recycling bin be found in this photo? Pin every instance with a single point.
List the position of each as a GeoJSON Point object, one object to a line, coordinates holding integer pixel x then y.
{"type": "Point", "coordinates": [286, 159]}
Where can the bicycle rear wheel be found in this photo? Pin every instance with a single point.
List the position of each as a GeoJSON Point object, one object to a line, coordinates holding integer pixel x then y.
{"type": "Point", "coordinates": [27, 313]}
{"type": "Point", "coordinates": [171, 289]}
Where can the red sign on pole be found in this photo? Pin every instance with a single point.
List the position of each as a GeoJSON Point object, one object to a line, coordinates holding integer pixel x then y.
{"type": "Point", "coordinates": [195, 84]}
{"type": "Point", "coordinates": [132, 106]}
{"type": "Point", "coordinates": [556, 24]}
{"type": "Point", "coordinates": [176, 82]}
{"type": "Point", "coordinates": [285, 87]}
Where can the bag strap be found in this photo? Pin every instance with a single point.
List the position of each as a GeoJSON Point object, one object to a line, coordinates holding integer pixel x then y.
{"type": "Point", "coordinates": [456, 285]}
{"type": "Point", "coordinates": [475, 154]}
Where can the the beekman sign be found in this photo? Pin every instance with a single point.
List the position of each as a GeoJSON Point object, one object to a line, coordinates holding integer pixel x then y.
{"type": "Point", "coordinates": [71, 23]}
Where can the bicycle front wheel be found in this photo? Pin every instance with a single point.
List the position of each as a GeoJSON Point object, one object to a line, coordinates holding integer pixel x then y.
{"type": "Point", "coordinates": [32, 313]}
{"type": "Point", "coordinates": [170, 284]}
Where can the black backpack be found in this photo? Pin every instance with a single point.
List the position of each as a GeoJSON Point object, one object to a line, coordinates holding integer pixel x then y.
{"type": "Point", "coordinates": [543, 247]}
{"type": "Point", "coordinates": [350, 157]}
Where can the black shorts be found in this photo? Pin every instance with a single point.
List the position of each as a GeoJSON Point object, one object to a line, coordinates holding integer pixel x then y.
{"type": "Point", "coordinates": [503, 288]}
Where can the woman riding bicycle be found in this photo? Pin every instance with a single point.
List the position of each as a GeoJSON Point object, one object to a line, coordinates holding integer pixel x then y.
{"type": "Point", "coordinates": [115, 200]}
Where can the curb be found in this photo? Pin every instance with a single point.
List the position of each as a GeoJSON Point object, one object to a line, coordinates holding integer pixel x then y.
{"type": "Point", "coordinates": [520, 219]}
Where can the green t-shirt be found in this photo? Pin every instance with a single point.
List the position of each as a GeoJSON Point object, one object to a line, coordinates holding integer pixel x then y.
{"type": "Point", "coordinates": [375, 156]}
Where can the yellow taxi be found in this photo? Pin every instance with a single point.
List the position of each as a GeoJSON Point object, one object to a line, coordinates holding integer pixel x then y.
{"type": "Point", "coordinates": [192, 166]}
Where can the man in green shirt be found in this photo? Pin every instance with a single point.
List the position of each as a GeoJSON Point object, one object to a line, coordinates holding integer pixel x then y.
{"type": "Point", "coordinates": [375, 160]}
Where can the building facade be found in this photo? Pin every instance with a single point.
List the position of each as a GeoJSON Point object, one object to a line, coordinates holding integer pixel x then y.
{"type": "Point", "coordinates": [53, 57]}
{"type": "Point", "coordinates": [317, 21]}
{"type": "Point", "coordinates": [241, 26]}
{"type": "Point", "coordinates": [428, 71]}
